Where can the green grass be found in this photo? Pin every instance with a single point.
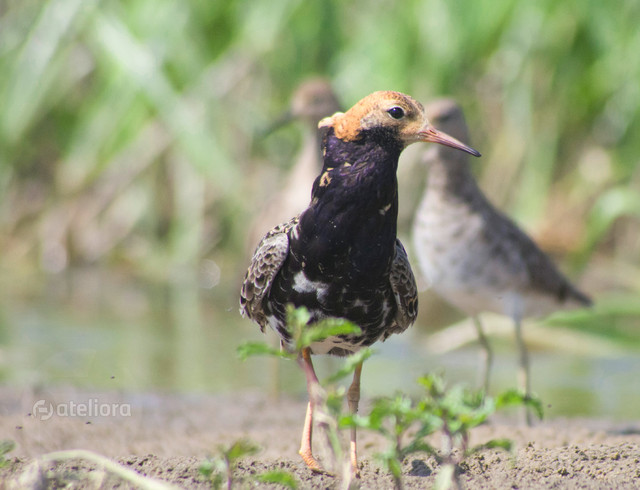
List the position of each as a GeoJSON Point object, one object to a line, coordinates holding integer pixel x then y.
{"type": "Point", "coordinates": [128, 129]}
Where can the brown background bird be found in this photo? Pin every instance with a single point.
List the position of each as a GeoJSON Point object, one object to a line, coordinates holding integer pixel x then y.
{"type": "Point", "coordinates": [474, 256]}
{"type": "Point", "coordinates": [312, 101]}
{"type": "Point", "coordinates": [341, 257]}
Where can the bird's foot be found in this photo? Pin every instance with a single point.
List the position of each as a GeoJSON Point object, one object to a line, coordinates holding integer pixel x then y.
{"type": "Point", "coordinates": [311, 462]}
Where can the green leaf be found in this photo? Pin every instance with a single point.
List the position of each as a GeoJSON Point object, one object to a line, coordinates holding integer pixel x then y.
{"type": "Point", "coordinates": [212, 471]}
{"type": "Point", "coordinates": [509, 398]}
{"type": "Point", "coordinates": [240, 449]}
{"type": "Point", "coordinates": [349, 365]}
{"type": "Point", "coordinates": [505, 444]}
{"type": "Point", "coordinates": [516, 397]}
{"type": "Point", "coordinates": [249, 349]}
{"type": "Point", "coordinates": [279, 477]}
{"type": "Point", "coordinates": [536, 404]}
{"type": "Point", "coordinates": [392, 463]}
{"type": "Point", "coordinates": [206, 468]}
{"type": "Point", "coordinates": [328, 328]}
{"type": "Point", "coordinates": [6, 446]}
{"type": "Point", "coordinates": [434, 384]}
{"type": "Point", "coordinates": [297, 317]}
{"type": "Point", "coordinates": [216, 481]}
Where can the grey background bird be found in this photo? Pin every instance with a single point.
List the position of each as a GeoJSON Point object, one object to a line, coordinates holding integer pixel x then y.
{"type": "Point", "coordinates": [476, 257]}
{"type": "Point", "coordinates": [313, 100]}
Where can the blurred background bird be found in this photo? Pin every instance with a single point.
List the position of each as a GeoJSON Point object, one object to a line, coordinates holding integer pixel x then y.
{"type": "Point", "coordinates": [341, 257]}
{"type": "Point", "coordinates": [313, 100]}
{"type": "Point", "coordinates": [473, 255]}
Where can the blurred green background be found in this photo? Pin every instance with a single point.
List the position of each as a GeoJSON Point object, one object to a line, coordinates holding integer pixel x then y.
{"type": "Point", "coordinates": [131, 167]}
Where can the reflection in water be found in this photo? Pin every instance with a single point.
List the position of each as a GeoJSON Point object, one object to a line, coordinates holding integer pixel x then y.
{"type": "Point", "coordinates": [91, 330]}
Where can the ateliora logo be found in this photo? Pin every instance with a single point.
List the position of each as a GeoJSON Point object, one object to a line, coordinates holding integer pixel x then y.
{"type": "Point", "coordinates": [44, 410]}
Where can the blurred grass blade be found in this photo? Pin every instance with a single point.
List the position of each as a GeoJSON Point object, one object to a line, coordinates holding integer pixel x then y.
{"type": "Point", "coordinates": [103, 134]}
{"type": "Point", "coordinates": [613, 204]}
{"type": "Point", "coordinates": [181, 115]}
{"type": "Point", "coordinates": [33, 71]}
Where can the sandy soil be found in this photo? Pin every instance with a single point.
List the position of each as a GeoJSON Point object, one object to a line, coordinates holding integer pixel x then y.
{"type": "Point", "coordinates": [167, 437]}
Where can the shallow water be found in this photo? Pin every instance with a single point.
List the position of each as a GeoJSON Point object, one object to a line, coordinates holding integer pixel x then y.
{"type": "Point", "coordinates": [104, 331]}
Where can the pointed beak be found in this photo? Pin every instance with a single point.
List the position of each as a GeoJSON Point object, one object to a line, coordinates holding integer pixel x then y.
{"type": "Point", "coordinates": [281, 121]}
{"type": "Point", "coordinates": [432, 135]}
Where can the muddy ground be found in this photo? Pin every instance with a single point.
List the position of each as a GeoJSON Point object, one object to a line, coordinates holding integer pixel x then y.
{"type": "Point", "coordinates": [167, 437]}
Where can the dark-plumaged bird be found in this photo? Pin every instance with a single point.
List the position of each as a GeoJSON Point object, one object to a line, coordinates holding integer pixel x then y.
{"type": "Point", "coordinates": [340, 258]}
{"type": "Point", "coordinates": [473, 255]}
{"type": "Point", "coordinates": [312, 101]}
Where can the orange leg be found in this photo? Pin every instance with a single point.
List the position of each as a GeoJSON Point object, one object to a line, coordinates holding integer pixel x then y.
{"type": "Point", "coordinates": [312, 383]}
{"type": "Point", "coordinates": [353, 398]}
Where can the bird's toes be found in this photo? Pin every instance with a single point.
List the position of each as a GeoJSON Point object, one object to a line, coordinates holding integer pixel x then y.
{"type": "Point", "coordinates": [311, 462]}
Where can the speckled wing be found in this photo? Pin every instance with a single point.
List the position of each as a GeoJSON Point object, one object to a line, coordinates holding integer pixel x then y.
{"type": "Point", "coordinates": [267, 260]}
{"type": "Point", "coordinates": [403, 284]}
{"type": "Point", "coordinates": [537, 272]}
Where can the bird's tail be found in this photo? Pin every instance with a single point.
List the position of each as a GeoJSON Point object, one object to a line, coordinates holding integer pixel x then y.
{"type": "Point", "coordinates": [576, 298]}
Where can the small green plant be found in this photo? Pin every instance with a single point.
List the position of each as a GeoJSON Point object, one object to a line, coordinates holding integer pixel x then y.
{"type": "Point", "coordinates": [330, 399]}
{"type": "Point", "coordinates": [393, 418]}
{"type": "Point", "coordinates": [302, 335]}
{"type": "Point", "coordinates": [453, 412]}
{"type": "Point", "coordinates": [219, 469]}
{"type": "Point", "coordinates": [6, 446]}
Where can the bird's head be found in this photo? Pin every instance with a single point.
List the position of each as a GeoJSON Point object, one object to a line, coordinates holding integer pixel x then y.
{"type": "Point", "coordinates": [392, 115]}
{"type": "Point", "coordinates": [447, 115]}
{"type": "Point", "coordinates": [314, 99]}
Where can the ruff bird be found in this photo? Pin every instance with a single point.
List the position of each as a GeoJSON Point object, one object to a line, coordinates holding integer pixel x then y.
{"type": "Point", "coordinates": [340, 258]}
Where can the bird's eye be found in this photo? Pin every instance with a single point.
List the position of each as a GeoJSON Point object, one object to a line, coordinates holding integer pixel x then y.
{"type": "Point", "coordinates": [396, 112]}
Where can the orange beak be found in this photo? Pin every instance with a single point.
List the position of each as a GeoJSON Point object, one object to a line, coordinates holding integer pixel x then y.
{"type": "Point", "coordinates": [432, 135]}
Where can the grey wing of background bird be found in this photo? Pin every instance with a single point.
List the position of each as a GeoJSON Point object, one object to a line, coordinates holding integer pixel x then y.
{"type": "Point", "coordinates": [403, 284]}
{"type": "Point", "coordinates": [267, 260]}
{"type": "Point", "coordinates": [537, 270]}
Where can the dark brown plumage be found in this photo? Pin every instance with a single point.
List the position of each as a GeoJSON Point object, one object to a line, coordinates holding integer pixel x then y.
{"type": "Point", "coordinates": [341, 258]}
{"type": "Point", "coordinates": [312, 101]}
